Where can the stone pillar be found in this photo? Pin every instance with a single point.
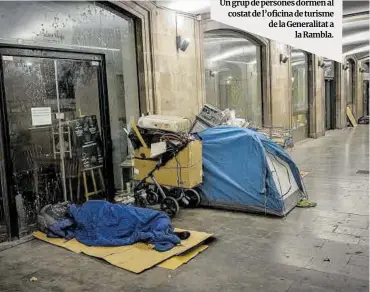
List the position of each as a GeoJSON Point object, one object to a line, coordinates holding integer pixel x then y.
{"type": "Point", "coordinates": [340, 97]}
{"type": "Point", "coordinates": [281, 86]}
{"type": "Point", "coordinates": [179, 80]}
{"type": "Point", "coordinates": [319, 92]}
{"type": "Point", "coordinates": [344, 89]}
{"type": "Point", "coordinates": [359, 90]}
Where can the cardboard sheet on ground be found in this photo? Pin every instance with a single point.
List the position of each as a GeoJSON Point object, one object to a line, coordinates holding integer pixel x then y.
{"type": "Point", "coordinates": [177, 261]}
{"type": "Point", "coordinates": [137, 257]}
{"type": "Point", "coordinates": [351, 117]}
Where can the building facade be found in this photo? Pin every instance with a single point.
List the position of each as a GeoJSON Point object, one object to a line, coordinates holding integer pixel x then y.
{"type": "Point", "coordinates": [61, 62]}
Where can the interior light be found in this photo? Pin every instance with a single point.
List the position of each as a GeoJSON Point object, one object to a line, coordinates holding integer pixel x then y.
{"type": "Point", "coordinates": [242, 63]}
{"type": "Point", "coordinates": [238, 51]}
{"type": "Point", "coordinates": [356, 38]}
{"type": "Point", "coordinates": [357, 50]}
{"type": "Point", "coordinates": [28, 63]}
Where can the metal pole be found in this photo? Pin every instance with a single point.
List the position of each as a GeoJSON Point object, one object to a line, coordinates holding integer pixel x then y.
{"type": "Point", "coordinates": [61, 136]}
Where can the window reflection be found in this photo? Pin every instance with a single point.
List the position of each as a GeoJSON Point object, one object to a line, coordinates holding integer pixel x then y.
{"type": "Point", "coordinates": [299, 88]}
{"type": "Point", "coordinates": [233, 74]}
{"type": "Point", "coordinates": [86, 27]}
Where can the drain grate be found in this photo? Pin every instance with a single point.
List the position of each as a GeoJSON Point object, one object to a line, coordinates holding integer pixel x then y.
{"type": "Point", "coordinates": [362, 171]}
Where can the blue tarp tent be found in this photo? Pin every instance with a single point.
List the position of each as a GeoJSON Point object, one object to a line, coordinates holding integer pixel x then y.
{"type": "Point", "coordinates": [245, 170]}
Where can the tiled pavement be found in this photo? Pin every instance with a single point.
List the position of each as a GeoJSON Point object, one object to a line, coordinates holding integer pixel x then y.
{"type": "Point", "coordinates": [321, 249]}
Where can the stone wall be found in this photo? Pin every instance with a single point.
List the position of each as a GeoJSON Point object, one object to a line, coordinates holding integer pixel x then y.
{"type": "Point", "coordinates": [360, 90]}
{"type": "Point", "coordinates": [319, 92]}
{"type": "Point", "coordinates": [178, 75]}
{"type": "Point", "coordinates": [340, 97]}
{"type": "Point", "coordinates": [281, 86]}
{"type": "Point", "coordinates": [172, 82]}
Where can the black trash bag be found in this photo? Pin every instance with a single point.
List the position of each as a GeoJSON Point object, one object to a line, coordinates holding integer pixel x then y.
{"type": "Point", "coordinates": [51, 214]}
{"type": "Point", "coordinates": [363, 120]}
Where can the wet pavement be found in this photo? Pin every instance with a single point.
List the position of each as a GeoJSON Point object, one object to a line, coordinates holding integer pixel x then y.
{"type": "Point", "coordinates": [320, 249]}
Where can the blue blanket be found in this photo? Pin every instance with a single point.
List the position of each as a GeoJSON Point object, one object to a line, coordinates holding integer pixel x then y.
{"type": "Point", "coordinates": [99, 223]}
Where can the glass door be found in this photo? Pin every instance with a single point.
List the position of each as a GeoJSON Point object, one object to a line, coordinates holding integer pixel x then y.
{"type": "Point", "coordinates": [329, 104]}
{"type": "Point", "coordinates": [300, 108]}
{"type": "Point", "coordinates": [3, 225]}
{"type": "Point", "coordinates": [46, 97]}
{"type": "Point", "coordinates": [366, 98]}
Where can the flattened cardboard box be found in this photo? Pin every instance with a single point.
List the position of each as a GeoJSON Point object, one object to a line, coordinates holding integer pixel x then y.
{"type": "Point", "coordinates": [351, 117]}
{"type": "Point", "coordinates": [187, 157]}
{"type": "Point", "coordinates": [137, 257]}
{"type": "Point", "coordinates": [177, 261]}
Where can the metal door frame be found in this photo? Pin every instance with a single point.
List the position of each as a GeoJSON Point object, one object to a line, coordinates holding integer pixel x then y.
{"type": "Point", "coordinates": [10, 212]}
{"type": "Point", "coordinates": [332, 103]}
{"type": "Point", "coordinates": [366, 97]}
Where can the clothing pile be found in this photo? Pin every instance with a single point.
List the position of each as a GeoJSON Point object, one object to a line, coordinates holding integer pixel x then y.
{"type": "Point", "coordinates": [99, 223]}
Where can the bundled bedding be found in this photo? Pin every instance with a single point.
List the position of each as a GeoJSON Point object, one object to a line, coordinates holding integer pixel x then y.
{"type": "Point", "coordinates": [100, 223]}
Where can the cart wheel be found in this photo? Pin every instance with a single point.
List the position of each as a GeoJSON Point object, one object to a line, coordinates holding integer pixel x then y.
{"type": "Point", "coordinates": [177, 194]}
{"type": "Point", "coordinates": [152, 197]}
{"type": "Point", "coordinates": [170, 206]}
{"type": "Point", "coordinates": [140, 202]}
{"type": "Point", "coordinates": [193, 197]}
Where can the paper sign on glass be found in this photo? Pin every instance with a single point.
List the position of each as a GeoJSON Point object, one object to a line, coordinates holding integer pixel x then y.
{"type": "Point", "coordinates": [41, 116]}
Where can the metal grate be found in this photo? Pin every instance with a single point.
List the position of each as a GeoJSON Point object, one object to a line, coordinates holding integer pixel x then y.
{"type": "Point", "coordinates": [361, 171]}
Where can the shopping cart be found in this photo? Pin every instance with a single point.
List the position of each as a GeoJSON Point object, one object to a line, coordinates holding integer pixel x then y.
{"type": "Point", "coordinates": [279, 135]}
{"type": "Point", "coordinates": [169, 178]}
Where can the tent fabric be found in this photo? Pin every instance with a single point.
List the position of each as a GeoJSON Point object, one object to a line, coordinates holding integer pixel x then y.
{"type": "Point", "coordinates": [276, 150]}
{"type": "Point", "coordinates": [99, 223]}
{"type": "Point", "coordinates": [236, 170]}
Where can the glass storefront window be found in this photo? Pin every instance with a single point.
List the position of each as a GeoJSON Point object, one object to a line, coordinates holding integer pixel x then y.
{"type": "Point", "coordinates": [299, 79]}
{"type": "Point", "coordinates": [233, 74]}
{"type": "Point", "coordinates": [299, 88]}
{"type": "Point", "coordinates": [300, 120]}
{"type": "Point", "coordinates": [44, 98]}
{"type": "Point", "coordinates": [329, 69]}
{"type": "Point", "coordinates": [87, 27]}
